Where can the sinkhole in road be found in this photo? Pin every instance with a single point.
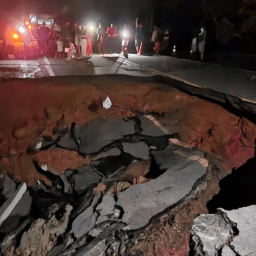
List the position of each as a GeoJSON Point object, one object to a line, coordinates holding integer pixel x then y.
{"type": "Point", "coordinates": [138, 173]}
{"type": "Point", "coordinates": [237, 190]}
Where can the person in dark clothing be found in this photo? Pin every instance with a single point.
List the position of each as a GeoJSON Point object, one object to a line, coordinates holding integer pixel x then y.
{"type": "Point", "coordinates": [66, 34]}
{"type": "Point", "coordinates": [100, 38]}
{"type": "Point", "coordinates": [139, 37]}
{"type": "Point", "coordinates": [157, 38]}
{"type": "Point", "coordinates": [43, 35]}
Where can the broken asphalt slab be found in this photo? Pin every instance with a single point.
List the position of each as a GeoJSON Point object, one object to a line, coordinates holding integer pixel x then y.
{"type": "Point", "coordinates": [93, 136]}
{"type": "Point", "coordinates": [143, 201]}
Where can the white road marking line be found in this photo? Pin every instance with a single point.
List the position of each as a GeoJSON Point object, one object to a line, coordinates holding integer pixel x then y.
{"type": "Point", "coordinates": [48, 67]}
{"type": "Point", "coordinates": [161, 73]}
{"type": "Point", "coordinates": [157, 123]}
{"type": "Point", "coordinates": [199, 159]}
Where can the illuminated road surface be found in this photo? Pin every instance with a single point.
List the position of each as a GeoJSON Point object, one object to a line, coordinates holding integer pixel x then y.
{"type": "Point", "coordinates": [235, 82]}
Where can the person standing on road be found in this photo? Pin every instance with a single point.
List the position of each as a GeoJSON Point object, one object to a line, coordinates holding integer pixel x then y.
{"type": "Point", "coordinates": [100, 38]}
{"type": "Point", "coordinates": [139, 36]}
{"type": "Point", "coordinates": [66, 34]}
{"type": "Point", "coordinates": [43, 35]}
{"type": "Point", "coordinates": [166, 40]}
{"type": "Point", "coordinates": [83, 42]}
{"type": "Point", "coordinates": [77, 32]}
{"type": "Point", "coordinates": [89, 42]}
{"type": "Point", "coordinates": [111, 31]}
{"type": "Point", "coordinates": [201, 42]}
{"type": "Point", "coordinates": [157, 39]}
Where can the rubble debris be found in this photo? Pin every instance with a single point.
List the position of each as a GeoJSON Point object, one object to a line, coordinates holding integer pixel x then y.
{"type": "Point", "coordinates": [225, 233]}
{"type": "Point", "coordinates": [16, 206]}
{"type": "Point", "coordinates": [82, 178]}
{"type": "Point", "coordinates": [59, 160]}
{"type": "Point", "coordinates": [107, 103]}
{"type": "Point", "coordinates": [9, 241]}
{"type": "Point", "coordinates": [244, 242]}
{"type": "Point", "coordinates": [107, 205]}
{"type": "Point", "coordinates": [67, 142]}
{"type": "Point", "coordinates": [129, 173]}
{"type": "Point", "coordinates": [85, 221]}
{"type": "Point", "coordinates": [44, 143]}
{"type": "Point", "coordinates": [227, 251]}
{"type": "Point", "coordinates": [157, 143]}
{"type": "Point", "coordinates": [84, 201]}
{"type": "Point", "coordinates": [7, 187]}
{"type": "Point", "coordinates": [67, 187]}
{"type": "Point", "coordinates": [210, 233]}
{"type": "Point", "coordinates": [97, 134]}
{"type": "Point", "coordinates": [43, 234]}
{"type": "Point", "coordinates": [109, 152]}
{"type": "Point", "coordinates": [137, 150]}
{"type": "Point", "coordinates": [104, 241]}
{"type": "Point", "coordinates": [117, 187]}
{"type": "Point", "coordinates": [111, 165]}
{"type": "Point", "coordinates": [141, 202]}
{"type": "Point", "coordinates": [150, 129]}
{"type": "Point", "coordinates": [151, 191]}
{"type": "Point", "coordinates": [67, 241]}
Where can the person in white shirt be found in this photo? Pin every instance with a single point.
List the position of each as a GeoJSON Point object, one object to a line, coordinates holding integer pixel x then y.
{"type": "Point", "coordinates": [201, 42]}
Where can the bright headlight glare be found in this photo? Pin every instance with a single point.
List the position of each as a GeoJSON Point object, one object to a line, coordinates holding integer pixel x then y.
{"type": "Point", "coordinates": [91, 27]}
{"type": "Point", "coordinates": [22, 29]}
{"type": "Point", "coordinates": [125, 34]}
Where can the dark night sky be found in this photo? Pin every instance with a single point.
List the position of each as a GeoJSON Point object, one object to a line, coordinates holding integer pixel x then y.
{"type": "Point", "coordinates": [110, 10]}
{"type": "Point", "coordinates": [83, 10]}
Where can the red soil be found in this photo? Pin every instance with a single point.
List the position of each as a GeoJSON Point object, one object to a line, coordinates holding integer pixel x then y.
{"type": "Point", "coordinates": [34, 108]}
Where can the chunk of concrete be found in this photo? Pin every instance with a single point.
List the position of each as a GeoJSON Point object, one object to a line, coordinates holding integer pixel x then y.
{"type": "Point", "coordinates": [85, 221]}
{"type": "Point", "coordinates": [141, 202]}
{"type": "Point", "coordinates": [98, 133]}
{"type": "Point", "coordinates": [83, 178]}
{"type": "Point", "coordinates": [102, 242]}
{"type": "Point", "coordinates": [210, 232]}
{"type": "Point", "coordinates": [67, 142]}
{"type": "Point", "coordinates": [226, 251]}
{"type": "Point", "coordinates": [43, 235]}
{"type": "Point", "coordinates": [7, 186]}
{"type": "Point", "coordinates": [111, 165]}
{"type": "Point", "coordinates": [177, 156]}
{"type": "Point", "coordinates": [107, 153]}
{"type": "Point", "coordinates": [149, 128]}
{"type": "Point", "coordinates": [16, 206]}
{"type": "Point", "coordinates": [245, 242]}
{"type": "Point", "coordinates": [137, 150]}
{"type": "Point", "coordinates": [107, 206]}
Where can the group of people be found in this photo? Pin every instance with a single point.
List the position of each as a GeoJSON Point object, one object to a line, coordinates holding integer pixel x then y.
{"type": "Point", "coordinates": [67, 41]}
{"type": "Point", "coordinates": [72, 40]}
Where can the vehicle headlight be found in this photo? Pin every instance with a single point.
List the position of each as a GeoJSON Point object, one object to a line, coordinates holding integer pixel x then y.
{"type": "Point", "coordinates": [91, 27]}
{"type": "Point", "coordinates": [21, 29]}
{"type": "Point", "coordinates": [125, 34]}
{"type": "Point", "coordinates": [15, 36]}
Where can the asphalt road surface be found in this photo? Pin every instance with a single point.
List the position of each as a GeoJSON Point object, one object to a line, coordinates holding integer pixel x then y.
{"type": "Point", "coordinates": [236, 82]}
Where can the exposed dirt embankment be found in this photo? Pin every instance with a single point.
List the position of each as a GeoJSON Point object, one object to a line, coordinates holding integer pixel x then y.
{"type": "Point", "coordinates": [31, 109]}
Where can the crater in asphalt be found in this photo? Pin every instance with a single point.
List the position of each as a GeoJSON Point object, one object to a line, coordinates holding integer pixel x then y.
{"type": "Point", "coordinates": [237, 189]}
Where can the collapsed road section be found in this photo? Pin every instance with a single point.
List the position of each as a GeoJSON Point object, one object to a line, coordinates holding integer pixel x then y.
{"type": "Point", "coordinates": [117, 165]}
